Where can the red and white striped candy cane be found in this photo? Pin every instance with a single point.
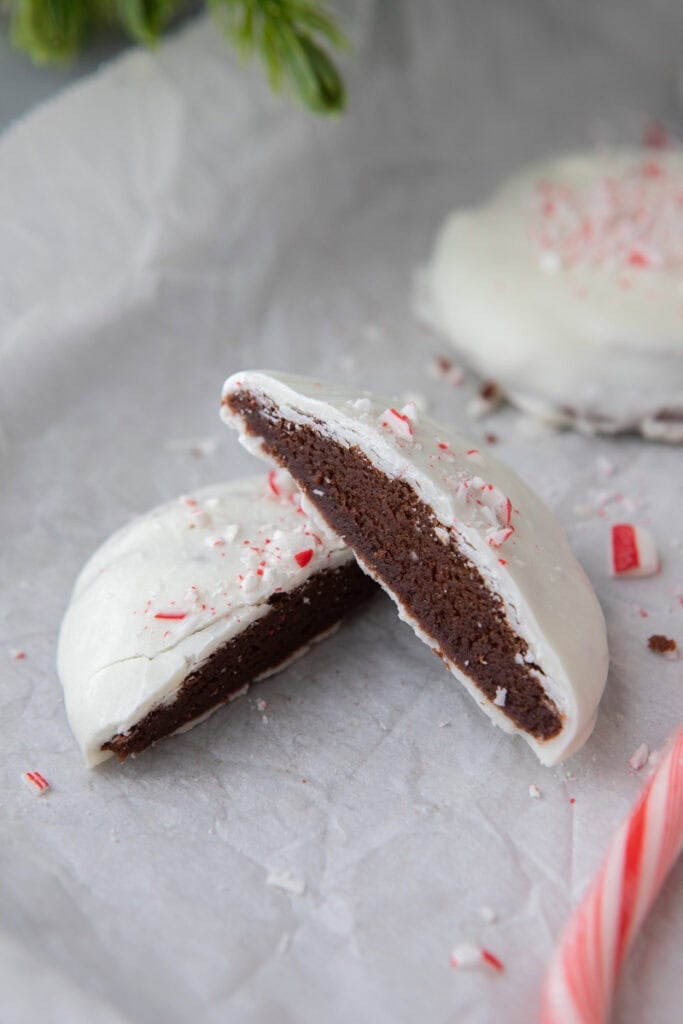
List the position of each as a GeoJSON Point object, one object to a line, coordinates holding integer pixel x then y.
{"type": "Point", "coordinates": [582, 976]}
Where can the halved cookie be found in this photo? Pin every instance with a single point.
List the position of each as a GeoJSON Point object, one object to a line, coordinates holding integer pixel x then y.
{"type": "Point", "coordinates": [472, 558]}
{"type": "Point", "coordinates": [181, 610]}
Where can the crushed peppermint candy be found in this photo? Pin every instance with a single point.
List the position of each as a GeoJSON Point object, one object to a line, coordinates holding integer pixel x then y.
{"type": "Point", "coordinates": [172, 615]}
{"type": "Point", "coordinates": [287, 882]}
{"type": "Point", "coordinates": [534, 792]}
{"type": "Point", "coordinates": [36, 782]}
{"type": "Point", "coordinates": [302, 558]}
{"type": "Point", "coordinates": [261, 704]}
{"type": "Point", "coordinates": [501, 697]}
{"type": "Point", "coordinates": [498, 537]}
{"type": "Point", "coordinates": [664, 645]}
{"type": "Point", "coordinates": [17, 654]}
{"type": "Point", "coordinates": [639, 757]}
{"type": "Point", "coordinates": [470, 957]}
{"type": "Point", "coordinates": [632, 551]}
{"type": "Point", "coordinates": [401, 423]}
{"type": "Point", "coordinates": [626, 221]}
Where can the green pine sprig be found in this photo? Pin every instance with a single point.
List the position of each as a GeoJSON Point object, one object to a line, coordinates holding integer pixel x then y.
{"type": "Point", "coordinates": [293, 38]}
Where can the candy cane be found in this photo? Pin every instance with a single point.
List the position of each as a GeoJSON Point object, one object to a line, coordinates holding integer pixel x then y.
{"type": "Point", "coordinates": [583, 973]}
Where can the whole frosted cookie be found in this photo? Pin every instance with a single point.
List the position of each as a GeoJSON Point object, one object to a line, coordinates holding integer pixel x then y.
{"type": "Point", "coordinates": [182, 609]}
{"type": "Point", "coordinates": [566, 288]}
{"type": "Point", "coordinates": [473, 559]}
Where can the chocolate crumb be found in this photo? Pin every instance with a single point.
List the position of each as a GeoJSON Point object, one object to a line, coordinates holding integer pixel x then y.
{"type": "Point", "coordinates": [489, 391]}
{"type": "Point", "coordinates": [661, 644]}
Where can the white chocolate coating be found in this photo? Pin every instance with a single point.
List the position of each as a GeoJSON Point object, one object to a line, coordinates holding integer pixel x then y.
{"type": "Point", "coordinates": [566, 287]}
{"type": "Point", "coordinates": [498, 523]}
{"type": "Point", "coordinates": [163, 593]}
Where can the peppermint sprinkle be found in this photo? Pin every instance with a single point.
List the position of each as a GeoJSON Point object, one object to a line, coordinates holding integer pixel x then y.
{"type": "Point", "coordinates": [302, 558]}
{"type": "Point", "coordinates": [399, 422]}
{"type": "Point", "coordinates": [272, 483]}
{"type": "Point", "coordinates": [171, 615]}
{"type": "Point", "coordinates": [17, 654]}
{"type": "Point", "coordinates": [629, 220]}
{"type": "Point", "coordinates": [470, 957]}
{"type": "Point", "coordinates": [638, 758]}
{"type": "Point", "coordinates": [632, 551]}
{"type": "Point", "coordinates": [37, 783]}
{"type": "Point", "coordinates": [498, 537]}
{"type": "Point", "coordinates": [286, 881]}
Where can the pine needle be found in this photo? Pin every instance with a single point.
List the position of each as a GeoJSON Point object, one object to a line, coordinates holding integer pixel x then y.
{"type": "Point", "coordinates": [291, 37]}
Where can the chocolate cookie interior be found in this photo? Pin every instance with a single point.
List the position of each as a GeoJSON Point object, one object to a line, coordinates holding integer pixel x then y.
{"type": "Point", "coordinates": [392, 531]}
{"type": "Point", "coordinates": [292, 621]}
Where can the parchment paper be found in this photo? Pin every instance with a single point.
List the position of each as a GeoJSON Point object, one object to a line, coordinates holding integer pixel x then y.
{"type": "Point", "coordinates": [168, 222]}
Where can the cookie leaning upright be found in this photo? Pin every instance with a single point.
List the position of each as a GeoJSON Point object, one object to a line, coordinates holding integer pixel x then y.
{"type": "Point", "coordinates": [473, 559]}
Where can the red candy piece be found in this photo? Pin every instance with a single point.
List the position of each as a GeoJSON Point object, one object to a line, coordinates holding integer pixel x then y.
{"type": "Point", "coordinates": [632, 551]}
{"type": "Point", "coordinates": [36, 782]}
{"type": "Point", "coordinates": [272, 483]}
{"type": "Point", "coordinates": [303, 557]}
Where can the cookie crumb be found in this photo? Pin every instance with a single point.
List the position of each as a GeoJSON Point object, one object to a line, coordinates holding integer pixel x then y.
{"type": "Point", "coordinates": [664, 645]}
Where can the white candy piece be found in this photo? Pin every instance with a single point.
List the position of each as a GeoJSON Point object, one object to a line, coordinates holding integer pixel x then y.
{"type": "Point", "coordinates": [565, 288]}
{"type": "Point", "coordinates": [639, 757]}
{"type": "Point", "coordinates": [165, 592]}
{"type": "Point", "coordinates": [488, 513]}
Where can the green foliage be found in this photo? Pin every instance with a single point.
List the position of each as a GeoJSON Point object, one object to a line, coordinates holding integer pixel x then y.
{"type": "Point", "coordinates": [283, 33]}
{"type": "Point", "coordinates": [144, 20]}
{"type": "Point", "coordinates": [49, 29]}
{"type": "Point", "coordinates": [291, 37]}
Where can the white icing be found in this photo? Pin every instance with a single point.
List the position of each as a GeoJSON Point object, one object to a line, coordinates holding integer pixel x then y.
{"type": "Point", "coordinates": [546, 595]}
{"type": "Point", "coordinates": [566, 288]}
{"type": "Point", "coordinates": [162, 594]}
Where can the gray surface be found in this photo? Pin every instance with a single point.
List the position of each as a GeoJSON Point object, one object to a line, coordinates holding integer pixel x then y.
{"type": "Point", "coordinates": [200, 227]}
{"type": "Point", "coordinates": [23, 84]}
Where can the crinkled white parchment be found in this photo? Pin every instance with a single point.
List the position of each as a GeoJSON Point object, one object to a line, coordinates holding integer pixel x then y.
{"type": "Point", "coordinates": [162, 225]}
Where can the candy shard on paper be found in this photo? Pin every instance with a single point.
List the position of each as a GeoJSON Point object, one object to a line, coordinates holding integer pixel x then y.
{"type": "Point", "coordinates": [639, 757]}
{"type": "Point", "coordinates": [36, 782]}
{"type": "Point", "coordinates": [467, 956]}
{"type": "Point", "coordinates": [286, 881]}
{"type": "Point", "coordinates": [632, 551]}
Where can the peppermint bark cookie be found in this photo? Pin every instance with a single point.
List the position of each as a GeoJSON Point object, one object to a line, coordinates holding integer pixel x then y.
{"type": "Point", "coordinates": [565, 288]}
{"type": "Point", "coordinates": [472, 558]}
{"type": "Point", "coordinates": [180, 611]}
